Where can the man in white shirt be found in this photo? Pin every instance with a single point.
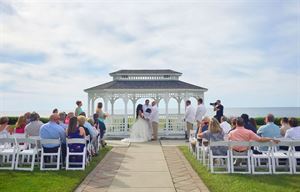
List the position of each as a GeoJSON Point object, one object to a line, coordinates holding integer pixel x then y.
{"type": "Point", "coordinates": [145, 107]}
{"type": "Point", "coordinates": [154, 118]}
{"type": "Point", "coordinates": [201, 110]}
{"type": "Point", "coordinates": [225, 125]}
{"type": "Point", "coordinates": [189, 117]}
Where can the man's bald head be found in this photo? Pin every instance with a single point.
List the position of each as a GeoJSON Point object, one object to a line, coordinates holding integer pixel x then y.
{"type": "Point", "coordinates": [54, 117]}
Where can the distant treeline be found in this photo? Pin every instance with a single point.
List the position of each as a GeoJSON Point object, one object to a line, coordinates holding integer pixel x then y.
{"type": "Point", "coordinates": [259, 120]}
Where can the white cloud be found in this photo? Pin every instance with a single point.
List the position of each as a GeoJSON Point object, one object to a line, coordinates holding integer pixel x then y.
{"type": "Point", "coordinates": [220, 45]}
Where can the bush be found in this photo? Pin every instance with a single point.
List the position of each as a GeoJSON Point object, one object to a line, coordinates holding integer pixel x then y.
{"type": "Point", "coordinates": [261, 120]}
{"type": "Point", "coordinates": [13, 120]}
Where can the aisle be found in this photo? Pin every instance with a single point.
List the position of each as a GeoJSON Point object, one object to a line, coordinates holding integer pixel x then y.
{"type": "Point", "coordinates": [142, 167]}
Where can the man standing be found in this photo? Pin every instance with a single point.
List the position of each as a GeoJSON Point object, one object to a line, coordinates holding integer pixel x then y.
{"type": "Point", "coordinates": [218, 108]}
{"type": "Point", "coordinates": [201, 110]}
{"type": "Point", "coordinates": [154, 118]}
{"type": "Point", "coordinates": [189, 117]}
{"type": "Point", "coordinates": [146, 110]}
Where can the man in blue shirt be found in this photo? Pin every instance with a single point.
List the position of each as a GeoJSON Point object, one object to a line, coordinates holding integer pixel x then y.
{"type": "Point", "coordinates": [270, 130]}
{"type": "Point", "coordinates": [52, 130]}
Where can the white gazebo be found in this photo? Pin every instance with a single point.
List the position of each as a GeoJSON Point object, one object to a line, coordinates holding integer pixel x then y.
{"type": "Point", "coordinates": [136, 84]}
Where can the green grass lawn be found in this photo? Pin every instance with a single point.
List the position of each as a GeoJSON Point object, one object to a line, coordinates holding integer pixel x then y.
{"type": "Point", "coordinates": [18, 181]}
{"type": "Point", "coordinates": [241, 183]}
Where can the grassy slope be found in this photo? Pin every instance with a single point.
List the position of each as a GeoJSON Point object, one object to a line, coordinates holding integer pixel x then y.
{"type": "Point", "coordinates": [46, 180]}
{"type": "Point", "coordinates": [238, 182]}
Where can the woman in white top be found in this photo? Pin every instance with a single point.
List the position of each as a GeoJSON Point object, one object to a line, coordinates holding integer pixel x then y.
{"type": "Point", "coordinates": [4, 127]}
{"type": "Point", "coordinates": [140, 129]}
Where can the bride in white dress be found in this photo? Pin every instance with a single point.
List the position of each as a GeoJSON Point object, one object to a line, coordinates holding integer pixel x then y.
{"type": "Point", "coordinates": [140, 129]}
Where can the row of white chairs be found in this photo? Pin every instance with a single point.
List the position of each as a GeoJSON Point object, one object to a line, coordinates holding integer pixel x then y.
{"type": "Point", "coordinates": [271, 161]}
{"type": "Point", "coordinates": [21, 153]}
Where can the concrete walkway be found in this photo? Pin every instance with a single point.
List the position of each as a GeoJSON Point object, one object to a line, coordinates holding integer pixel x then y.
{"type": "Point", "coordinates": [142, 167]}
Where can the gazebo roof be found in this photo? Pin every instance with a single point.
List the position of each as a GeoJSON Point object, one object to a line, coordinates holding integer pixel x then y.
{"type": "Point", "coordinates": [143, 84]}
{"type": "Point", "coordinates": [145, 71]}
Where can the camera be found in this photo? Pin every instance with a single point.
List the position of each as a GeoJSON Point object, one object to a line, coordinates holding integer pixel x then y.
{"type": "Point", "coordinates": [213, 104]}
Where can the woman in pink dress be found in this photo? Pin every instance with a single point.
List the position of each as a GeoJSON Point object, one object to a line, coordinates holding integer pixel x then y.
{"type": "Point", "coordinates": [20, 125]}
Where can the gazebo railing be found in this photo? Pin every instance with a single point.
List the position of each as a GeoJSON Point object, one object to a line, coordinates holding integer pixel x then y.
{"type": "Point", "coordinates": [171, 125]}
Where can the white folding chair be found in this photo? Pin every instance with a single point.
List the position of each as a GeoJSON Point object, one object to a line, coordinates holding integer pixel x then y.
{"type": "Point", "coordinates": [28, 153]}
{"type": "Point", "coordinates": [192, 139]}
{"type": "Point", "coordinates": [8, 151]}
{"type": "Point", "coordinates": [256, 159]}
{"type": "Point", "coordinates": [39, 149]}
{"type": "Point", "coordinates": [205, 152]}
{"type": "Point", "coordinates": [76, 165]}
{"type": "Point", "coordinates": [279, 155]}
{"type": "Point", "coordinates": [88, 148]}
{"type": "Point", "coordinates": [51, 164]}
{"type": "Point", "coordinates": [295, 156]}
{"type": "Point", "coordinates": [224, 160]}
{"type": "Point", "coordinates": [237, 158]}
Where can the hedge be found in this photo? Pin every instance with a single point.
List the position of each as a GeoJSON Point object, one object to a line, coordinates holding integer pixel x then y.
{"type": "Point", "coordinates": [259, 120]}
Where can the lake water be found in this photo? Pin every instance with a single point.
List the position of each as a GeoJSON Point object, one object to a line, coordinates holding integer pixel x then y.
{"type": "Point", "coordinates": [228, 111]}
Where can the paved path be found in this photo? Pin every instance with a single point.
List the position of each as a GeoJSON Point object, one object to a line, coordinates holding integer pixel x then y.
{"type": "Point", "coordinates": [142, 167]}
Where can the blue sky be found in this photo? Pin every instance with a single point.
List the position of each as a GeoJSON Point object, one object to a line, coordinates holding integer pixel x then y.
{"type": "Point", "coordinates": [245, 52]}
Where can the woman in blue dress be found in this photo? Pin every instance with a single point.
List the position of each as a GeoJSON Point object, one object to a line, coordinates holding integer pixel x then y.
{"type": "Point", "coordinates": [75, 131]}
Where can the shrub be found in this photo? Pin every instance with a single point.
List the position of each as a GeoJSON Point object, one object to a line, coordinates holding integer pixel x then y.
{"type": "Point", "coordinates": [13, 120]}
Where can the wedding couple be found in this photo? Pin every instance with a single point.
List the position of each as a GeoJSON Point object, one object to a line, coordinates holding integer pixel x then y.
{"type": "Point", "coordinates": [146, 124]}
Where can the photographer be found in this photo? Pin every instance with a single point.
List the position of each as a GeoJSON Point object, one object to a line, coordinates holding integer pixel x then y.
{"type": "Point", "coordinates": [219, 109]}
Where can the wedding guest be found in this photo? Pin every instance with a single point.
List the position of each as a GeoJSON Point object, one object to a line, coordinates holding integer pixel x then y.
{"type": "Point", "coordinates": [89, 130]}
{"type": "Point", "coordinates": [240, 133]}
{"type": "Point", "coordinates": [78, 109]}
{"type": "Point", "coordinates": [201, 110]}
{"type": "Point", "coordinates": [233, 123]}
{"type": "Point", "coordinates": [225, 125]}
{"type": "Point", "coordinates": [69, 116]}
{"type": "Point", "coordinates": [284, 126]}
{"type": "Point", "coordinates": [20, 124]}
{"type": "Point", "coordinates": [293, 132]}
{"type": "Point", "coordinates": [33, 128]}
{"type": "Point", "coordinates": [189, 117]}
{"type": "Point", "coordinates": [203, 125]}
{"type": "Point", "coordinates": [253, 122]}
{"type": "Point", "coordinates": [247, 123]}
{"type": "Point", "coordinates": [214, 133]}
{"type": "Point", "coordinates": [52, 130]}
{"type": "Point", "coordinates": [75, 131]}
{"type": "Point", "coordinates": [100, 127]}
{"type": "Point", "coordinates": [4, 127]}
{"type": "Point", "coordinates": [101, 116]}
{"type": "Point", "coordinates": [27, 116]}
{"type": "Point", "coordinates": [62, 119]}
{"type": "Point", "coordinates": [270, 129]}
{"type": "Point", "coordinates": [154, 119]}
{"type": "Point", "coordinates": [55, 111]}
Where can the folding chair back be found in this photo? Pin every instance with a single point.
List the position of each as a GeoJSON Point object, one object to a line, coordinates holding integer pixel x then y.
{"type": "Point", "coordinates": [8, 151]}
{"type": "Point", "coordinates": [282, 160]}
{"type": "Point", "coordinates": [237, 157]}
{"type": "Point", "coordinates": [76, 165]}
{"type": "Point", "coordinates": [295, 156]}
{"type": "Point", "coordinates": [51, 157]}
{"type": "Point", "coordinates": [262, 161]}
{"type": "Point", "coordinates": [220, 161]}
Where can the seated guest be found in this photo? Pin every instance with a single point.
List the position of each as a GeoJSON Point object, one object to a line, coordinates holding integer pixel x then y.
{"type": "Point", "coordinates": [4, 127]}
{"type": "Point", "coordinates": [33, 128]}
{"type": "Point", "coordinates": [240, 133]}
{"type": "Point", "coordinates": [89, 130]}
{"type": "Point", "coordinates": [27, 116]}
{"type": "Point", "coordinates": [214, 133]}
{"type": "Point", "coordinates": [62, 119]}
{"type": "Point", "coordinates": [247, 123]}
{"type": "Point", "coordinates": [233, 123]}
{"type": "Point", "coordinates": [284, 126]}
{"type": "Point", "coordinates": [270, 129]}
{"type": "Point", "coordinates": [253, 122]}
{"type": "Point", "coordinates": [69, 116]}
{"type": "Point", "coordinates": [75, 131]}
{"type": "Point", "coordinates": [225, 125]}
{"type": "Point", "coordinates": [20, 125]}
{"type": "Point", "coordinates": [52, 130]}
{"type": "Point", "coordinates": [203, 126]}
{"type": "Point", "coordinates": [94, 139]}
{"type": "Point", "coordinates": [294, 132]}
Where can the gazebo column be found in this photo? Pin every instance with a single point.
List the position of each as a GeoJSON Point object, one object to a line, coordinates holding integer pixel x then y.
{"type": "Point", "coordinates": [179, 105]}
{"type": "Point", "coordinates": [134, 100]}
{"type": "Point", "coordinates": [112, 106]}
{"type": "Point", "coordinates": [166, 99]}
{"type": "Point", "coordinates": [89, 105]}
{"type": "Point", "coordinates": [105, 99]}
{"type": "Point", "coordinates": [126, 113]}
{"type": "Point", "coordinates": [93, 106]}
